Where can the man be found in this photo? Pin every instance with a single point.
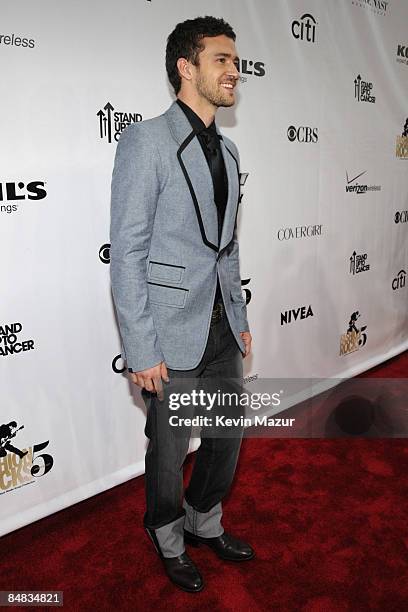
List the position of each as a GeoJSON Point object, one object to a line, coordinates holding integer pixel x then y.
{"type": "Point", "coordinates": [177, 288]}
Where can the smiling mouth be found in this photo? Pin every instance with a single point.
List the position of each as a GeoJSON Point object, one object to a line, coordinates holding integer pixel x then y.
{"type": "Point", "coordinates": [228, 85]}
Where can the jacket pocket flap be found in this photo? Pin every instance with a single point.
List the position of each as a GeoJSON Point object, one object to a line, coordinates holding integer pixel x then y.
{"type": "Point", "coordinates": [165, 272]}
{"type": "Point", "coordinates": [169, 296]}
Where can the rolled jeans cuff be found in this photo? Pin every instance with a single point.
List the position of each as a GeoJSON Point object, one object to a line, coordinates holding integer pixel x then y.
{"type": "Point", "coordinates": [203, 524]}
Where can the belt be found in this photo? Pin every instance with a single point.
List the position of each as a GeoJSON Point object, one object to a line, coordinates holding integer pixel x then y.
{"type": "Point", "coordinates": [217, 312]}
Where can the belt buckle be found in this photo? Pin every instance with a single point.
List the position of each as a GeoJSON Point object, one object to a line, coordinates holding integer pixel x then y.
{"type": "Point", "coordinates": [217, 312]}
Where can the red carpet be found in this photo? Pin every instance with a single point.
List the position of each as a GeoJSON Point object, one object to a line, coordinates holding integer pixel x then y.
{"type": "Point", "coordinates": [328, 520]}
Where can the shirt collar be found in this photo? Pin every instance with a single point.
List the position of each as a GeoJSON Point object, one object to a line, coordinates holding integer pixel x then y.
{"type": "Point", "coordinates": [196, 122]}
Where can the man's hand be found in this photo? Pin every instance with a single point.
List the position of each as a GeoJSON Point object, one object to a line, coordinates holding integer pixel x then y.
{"type": "Point", "coordinates": [151, 379]}
{"type": "Point", "coordinates": [247, 340]}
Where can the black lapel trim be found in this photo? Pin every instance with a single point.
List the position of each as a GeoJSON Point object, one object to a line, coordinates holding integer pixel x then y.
{"type": "Point", "coordinates": [192, 192]}
{"type": "Point", "coordinates": [236, 212]}
{"type": "Point", "coordinates": [166, 264]}
{"type": "Point", "coordinates": [232, 155]}
{"type": "Point", "coordinates": [169, 286]}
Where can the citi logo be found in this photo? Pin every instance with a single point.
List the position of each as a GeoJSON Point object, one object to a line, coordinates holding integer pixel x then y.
{"type": "Point", "coordinates": [302, 134]}
{"type": "Point", "coordinates": [399, 280]}
{"type": "Point", "coordinates": [305, 28]}
{"type": "Point", "coordinates": [11, 192]}
{"type": "Point", "coordinates": [303, 312]}
{"type": "Point", "coordinates": [401, 216]}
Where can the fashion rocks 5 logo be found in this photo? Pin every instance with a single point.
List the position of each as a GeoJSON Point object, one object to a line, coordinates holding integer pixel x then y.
{"type": "Point", "coordinates": [355, 337]}
{"type": "Point", "coordinates": [20, 467]}
{"type": "Point", "coordinates": [402, 143]}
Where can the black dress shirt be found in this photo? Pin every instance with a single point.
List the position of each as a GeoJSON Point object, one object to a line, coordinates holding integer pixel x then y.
{"type": "Point", "coordinates": [210, 144]}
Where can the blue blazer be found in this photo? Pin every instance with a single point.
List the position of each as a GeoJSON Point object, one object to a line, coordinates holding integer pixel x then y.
{"type": "Point", "coordinates": [164, 243]}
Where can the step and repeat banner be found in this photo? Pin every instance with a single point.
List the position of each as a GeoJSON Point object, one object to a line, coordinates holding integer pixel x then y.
{"type": "Point", "coordinates": [321, 122]}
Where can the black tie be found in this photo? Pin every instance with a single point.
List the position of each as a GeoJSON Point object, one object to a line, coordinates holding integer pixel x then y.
{"type": "Point", "coordinates": [216, 161]}
{"type": "Point", "coordinates": [217, 169]}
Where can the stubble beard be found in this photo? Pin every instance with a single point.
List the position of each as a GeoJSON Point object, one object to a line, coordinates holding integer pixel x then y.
{"type": "Point", "coordinates": [212, 94]}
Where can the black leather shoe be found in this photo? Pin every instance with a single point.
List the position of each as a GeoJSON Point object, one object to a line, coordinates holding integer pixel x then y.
{"type": "Point", "coordinates": [226, 546]}
{"type": "Point", "coordinates": [182, 571]}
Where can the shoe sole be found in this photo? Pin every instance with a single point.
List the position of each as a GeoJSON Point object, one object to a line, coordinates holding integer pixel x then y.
{"type": "Point", "coordinates": [190, 590]}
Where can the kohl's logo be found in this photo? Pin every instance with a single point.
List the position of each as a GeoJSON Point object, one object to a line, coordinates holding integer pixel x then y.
{"type": "Point", "coordinates": [402, 54]}
{"type": "Point", "coordinates": [249, 67]}
{"type": "Point", "coordinates": [12, 193]}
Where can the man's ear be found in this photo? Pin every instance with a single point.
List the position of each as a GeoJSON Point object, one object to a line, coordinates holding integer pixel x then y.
{"type": "Point", "coordinates": [184, 68]}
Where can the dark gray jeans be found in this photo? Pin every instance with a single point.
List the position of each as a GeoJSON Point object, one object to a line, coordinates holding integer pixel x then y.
{"type": "Point", "coordinates": [216, 458]}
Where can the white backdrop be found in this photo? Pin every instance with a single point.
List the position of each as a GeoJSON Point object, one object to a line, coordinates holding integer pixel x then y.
{"type": "Point", "coordinates": [305, 134]}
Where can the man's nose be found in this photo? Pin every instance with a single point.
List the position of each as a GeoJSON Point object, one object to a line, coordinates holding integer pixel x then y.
{"type": "Point", "coordinates": [233, 71]}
